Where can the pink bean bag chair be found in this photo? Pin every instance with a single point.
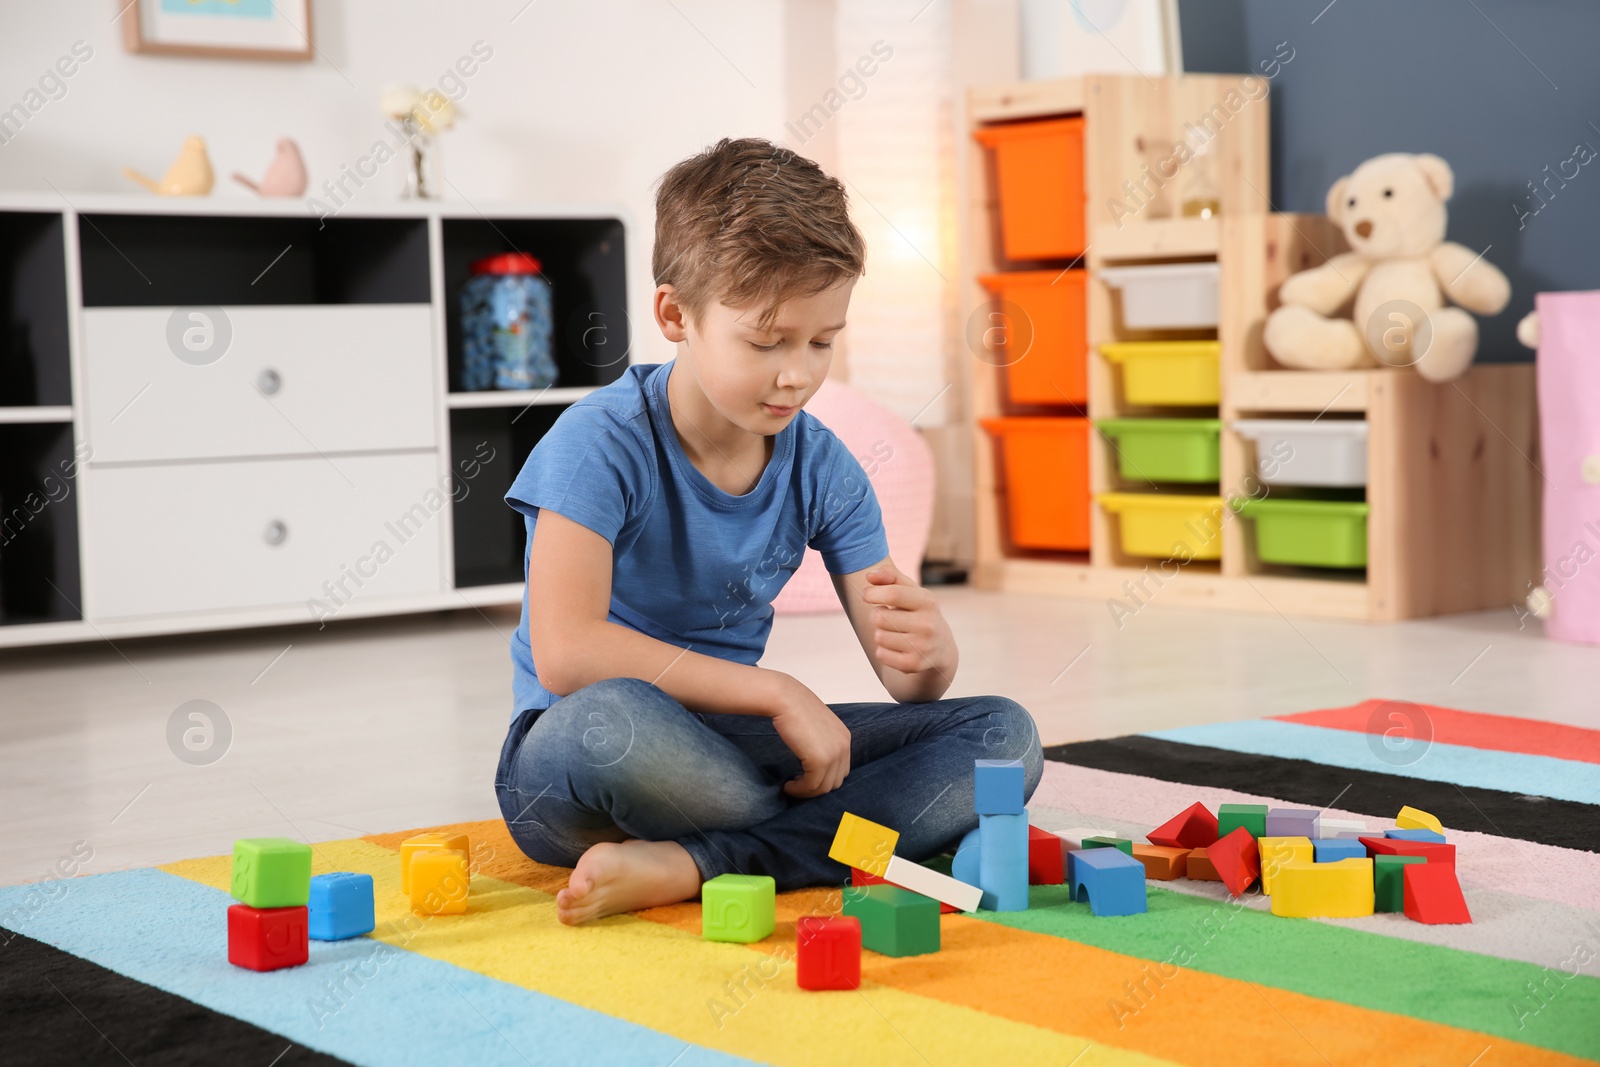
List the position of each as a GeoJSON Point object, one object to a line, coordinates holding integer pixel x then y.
{"type": "Point", "coordinates": [1569, 427]}
{"type": "Point", "coordinates": [899, 464]}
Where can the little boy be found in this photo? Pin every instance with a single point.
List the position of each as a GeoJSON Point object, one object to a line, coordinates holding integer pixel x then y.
{"type": "Point", "coordinates": [664, 513]}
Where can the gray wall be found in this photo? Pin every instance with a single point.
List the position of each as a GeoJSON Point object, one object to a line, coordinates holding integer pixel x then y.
{"type": "Point", "coordinates": [1374, 76]}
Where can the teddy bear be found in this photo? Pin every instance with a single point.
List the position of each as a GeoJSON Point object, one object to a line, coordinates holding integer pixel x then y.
{"type": "Point", "coordinates": [1400, 269]}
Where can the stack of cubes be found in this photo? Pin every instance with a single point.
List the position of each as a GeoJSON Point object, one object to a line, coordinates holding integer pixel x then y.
{"type": "Point", "coordinates": [282, 908]}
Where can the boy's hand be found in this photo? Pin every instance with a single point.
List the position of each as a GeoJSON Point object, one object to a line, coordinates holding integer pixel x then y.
{"type": "Point", "coordinates": [815, 735]}
{"type": "Point", "coordinates": [909, 631]}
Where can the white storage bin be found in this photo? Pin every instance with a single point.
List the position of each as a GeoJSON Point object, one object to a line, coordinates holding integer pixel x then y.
{"type": "Point", "coordinates": [1323, 452]}
{"type": "Point", "coordinates": [1166, 296]}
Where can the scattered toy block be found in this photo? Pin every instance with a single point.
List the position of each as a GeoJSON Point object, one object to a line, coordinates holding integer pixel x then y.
{"type": "Point", "coordinates": [266, 939]}
{"type": "Point", "coordinates": [434, 840]}
{"type": "Point", "coordinates": [1253, 817]}
{"type": "Point", "coordinates": [738, 907]}
{"type": "Point", "coordinates": [1293, 822]}
{"type": "Point", "coordinates": [340, 906]}
{"type": "Point", "coordinates": [1388, 881]}
{"type": "Point", "coordinates": [1432, 894]}
{"type": "Point", "coordinates": [1046, 858]}
{"type": "Point", "coordinates": [440, 882]}
{"type": "Point", "coordinates": [1416, 819]}
{"type": "Point", "coordinates": [271, 872]}
{"type": "Point", "coordinates": [964, 866]}
{"type": "Point", "coordinates": [1344, 828]}
{"type": "Point", "coordinates": [1072, 840]}
{"type": "Point", "coordinates": [1236, 859]}
{"type": "Point", "coordinates": [1341, 889]}
{"type": "Point", "coordinates": [1162, 862]}
{"type": "Point", "coordinates": [1417, 834]}
{"type": "Point", "coordinates": [1111, 880]}
{"type": "Point", "coordinates": [1278, 852]}
{"type": "Point", "coordinates": [1432, 851]}
{"type": "Point", "coordinates": [1003, 861]}
{"type": "Point", "coordinates": [894, 921]}
{"type": "Point", "coordinates": [1333, 849]}
{"type": "Point", "coordinates": [1121, 844]}
{"type": "Point", "coordinates": [997, 786]}
{"type": "Point", "coordinates": [864, 844]}
{"type": "Point", "coordinates": [828, 952]}
{"type": "Point", "coordinates": [941, 887]}
{"type": "Point", "coordinates": [1198, 866]}
{"type": "Point", "coordinates": [1193, 827]}
{"type": "Point", "coordinates": [860, 877]}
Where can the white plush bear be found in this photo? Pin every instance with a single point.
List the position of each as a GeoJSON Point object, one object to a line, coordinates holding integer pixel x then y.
{"type": "Point", "coordinates": [1399, 271]}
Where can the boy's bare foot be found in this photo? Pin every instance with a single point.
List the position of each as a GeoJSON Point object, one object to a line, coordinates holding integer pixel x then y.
{"type": "Point", "coordinates": [614, 877]}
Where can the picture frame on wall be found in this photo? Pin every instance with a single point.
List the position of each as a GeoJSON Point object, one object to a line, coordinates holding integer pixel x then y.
{"type": "Point", "coordinates": [219, 29]}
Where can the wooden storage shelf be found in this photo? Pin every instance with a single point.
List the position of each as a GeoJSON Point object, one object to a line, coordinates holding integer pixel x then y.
{"type": "Point", "coordinates": [1453, 495]}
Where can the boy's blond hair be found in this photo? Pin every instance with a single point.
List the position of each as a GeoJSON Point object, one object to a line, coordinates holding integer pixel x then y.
{"type": "Point", "coordinates": [750, 223]}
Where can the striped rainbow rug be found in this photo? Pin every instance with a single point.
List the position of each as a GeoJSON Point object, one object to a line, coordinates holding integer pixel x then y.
{"type": "Point", "coordinates": [136, 960]}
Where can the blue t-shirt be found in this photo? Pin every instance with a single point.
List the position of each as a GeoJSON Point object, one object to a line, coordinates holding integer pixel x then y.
{"type": "Point", "coordinates": [693, 565]}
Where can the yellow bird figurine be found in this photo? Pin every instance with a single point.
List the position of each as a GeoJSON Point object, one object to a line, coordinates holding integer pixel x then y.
{"type": "Point", "coordinates": [189, 175]}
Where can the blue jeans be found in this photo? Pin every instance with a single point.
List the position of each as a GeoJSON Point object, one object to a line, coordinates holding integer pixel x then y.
{"type": "Point", "coordinates": [621, 759]}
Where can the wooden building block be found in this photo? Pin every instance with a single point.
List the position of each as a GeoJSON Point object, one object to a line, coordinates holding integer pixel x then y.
{"type": "Point", "coordinates": [1003, 861]}
{"type": "Point", "coordinates": [1237, 859]}
{"type": "Point", "coordinates": [1278, 852]}
{"type": "Point", "coordinates": [1432, 894]}
{"type": "Point", "coordinates": [997, 786]}
{"type": "Point", "coordinates": [1416, 819]}
{"type": "Point", "coordinates": [1306, 890]}
{"type": "Point", "coordinates": [1253, 817]}
{"type": "Point", "coordinates": [1432, 851]}
{"type": "Point", "coordinates": [828, 952]}
{"type": "Point", "coordinates": [1419, 833]}
{"type": "Point", "coordinates": [1388, 881]}
{"type": "Point", "coordinates": [941, 887]}
{"type": "Point", "coordinates": [894, 921]}
{"type": "Point", "coordinates": [863, 843]}
{"type": "Point", "coordinates": [1162, 862]}
{"type": "Point", "coordinates": [1193, 827]}
{"type": "Point", "coordinates": [1046, 858]}
{"type": "Point", "coordinates": [1110, 879]}
{"type": "Point", "coordinates": [737, 907]}
{"type": "Point", "coordinates": [1293, 822]}
{"type": "Point", "coordinates": [1198, 866]}
{"type": "Point", "coordinates": [1122, 844]}
{"type": "Point", "coordinates": [1329, 850]}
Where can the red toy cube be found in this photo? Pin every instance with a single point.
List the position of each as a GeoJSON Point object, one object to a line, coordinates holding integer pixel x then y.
{"type": "Point", "coordinates": [829, 952]}
{"type": "Point", "coordinates": [265, 939]}
{"type": "Point", "coordinates": [1193, 827]}
{"type": "Point", "coordinates": [1432, 894]}
{"type": "Point", "coordinates": [1237, 859]}
{"type": "Point", "coordinates": [1044, 858]}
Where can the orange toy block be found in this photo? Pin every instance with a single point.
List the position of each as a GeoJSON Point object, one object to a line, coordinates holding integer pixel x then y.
{"type": "Point", "coordinates": [439, 881]}
{"type": "Point", "coordinates": [1193, 827]}
{"type": "Point", "coordinates": [1198, 866]}
{"type": "Point", "coordinates": [1162, 862]}
{"type": "Point", "coordinates": [1433, 895]}
{"type": "Point", "coordinates": [1237, 860]}
{"type": "Point", "coordinates": [411, 845]}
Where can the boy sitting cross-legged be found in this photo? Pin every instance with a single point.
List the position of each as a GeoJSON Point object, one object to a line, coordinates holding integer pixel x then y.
{"type": "Point", "coordinates": [664, 513]}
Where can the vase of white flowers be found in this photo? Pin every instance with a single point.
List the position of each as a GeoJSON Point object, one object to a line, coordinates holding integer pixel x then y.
{"type": "Point", "coordinates": [423, 114]}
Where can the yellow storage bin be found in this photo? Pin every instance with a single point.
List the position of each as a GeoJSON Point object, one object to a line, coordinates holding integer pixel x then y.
{"type": "Point", "coordinates": [1167, 525]}
{"type": "Point", "coordinates": [1176, 373]}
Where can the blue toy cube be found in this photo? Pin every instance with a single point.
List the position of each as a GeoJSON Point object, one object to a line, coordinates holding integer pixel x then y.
{"type": "Point", "coordinates": [997, 787]}
{"type": "Point", "coordinates": [1003, 861]}
{"type": "Point", "coordinates": [340, 906]}
{"type": "Point", "coordinates": [1419, 834]}
{"type": "Point", "coordinates": [1334, 849]}
{"type": "Point", "coordinates": [1112, 881]}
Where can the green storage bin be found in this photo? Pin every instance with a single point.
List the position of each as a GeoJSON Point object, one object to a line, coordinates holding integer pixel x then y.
{"type": "Point", "coordinates": [1166, 450]}
{"type": "Point", "coordinates": [1309, 533]}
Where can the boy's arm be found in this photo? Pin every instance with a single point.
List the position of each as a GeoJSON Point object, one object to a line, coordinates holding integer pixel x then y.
{"type": "Point", "coordinates": [901, 630]}
{"type": "Point", "coordinates": [574, 644]}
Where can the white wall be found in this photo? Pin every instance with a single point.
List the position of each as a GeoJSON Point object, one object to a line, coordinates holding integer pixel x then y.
{"type": "Point", "coordinates": [589, 100]}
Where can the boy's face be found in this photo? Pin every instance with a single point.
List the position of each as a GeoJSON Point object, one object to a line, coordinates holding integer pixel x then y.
{"type": "Point", "coordinates": [758, 379]}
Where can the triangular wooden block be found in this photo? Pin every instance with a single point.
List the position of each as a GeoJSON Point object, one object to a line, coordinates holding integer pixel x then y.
{"type": "Point", "coordinates": [1433, 896]}
{"type": "Point", "coordinates": [1237, 860]}
{"type": "Point", "coordinates": [1193, 827]}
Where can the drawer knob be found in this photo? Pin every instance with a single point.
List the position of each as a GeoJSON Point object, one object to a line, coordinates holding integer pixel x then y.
{"type": "Point", "coordinates": [276, 533]}
{"type": "Point", "coordinates": [269, 382]}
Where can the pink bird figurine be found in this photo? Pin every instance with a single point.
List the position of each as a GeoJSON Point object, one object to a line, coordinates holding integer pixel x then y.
{"type": "Point", "coordinates": [286, 174]}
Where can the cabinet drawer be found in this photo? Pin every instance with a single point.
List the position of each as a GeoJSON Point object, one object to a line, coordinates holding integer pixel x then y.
{"type": "Point", "coordinates": [302, 379]}
{"type": "Point", "coordinates": [218, 536]}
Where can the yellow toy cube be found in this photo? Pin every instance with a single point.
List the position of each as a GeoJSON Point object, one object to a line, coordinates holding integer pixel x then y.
{"type": "Point", "coordinates": [1279, 852]}
{"type": "Point", "coordinates": [1416, 819]}
{"type": "Point", "coordinates": [411, 845]}
{"type": "Point", "coordinates": [1338, 890]}
{"type": "Point", "coordinates": [863, 844]}
{"type": "Point", "coordinates": [439, 881]}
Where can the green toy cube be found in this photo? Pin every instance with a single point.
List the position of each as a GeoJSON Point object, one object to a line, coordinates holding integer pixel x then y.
{"type": "Point", "coordinates": [894, 921]}
{"type": "Point", "coordinates": [737, 907]}
{"type": "Point", "coordinates": [1389, 881]}
{"type": "Point", "coordinates": [1253, 817]}
{"type": "Point", "coordinates": [1109, 842]}
{"type": "Point", "coordinates": [271, 872]}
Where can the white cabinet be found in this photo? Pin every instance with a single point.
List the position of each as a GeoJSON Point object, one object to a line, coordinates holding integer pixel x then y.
{"type": "Point", "coordinates": [194, 537]}
{"type": "Point", "coordinates": [292, 380]}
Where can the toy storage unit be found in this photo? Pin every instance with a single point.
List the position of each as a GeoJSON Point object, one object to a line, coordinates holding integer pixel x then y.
{"type": "Point", "coordinates": [1367, 494]}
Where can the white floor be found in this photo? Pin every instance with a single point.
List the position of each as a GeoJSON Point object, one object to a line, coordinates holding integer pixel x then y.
{"type": "Point", "coordinates": [373, 726]}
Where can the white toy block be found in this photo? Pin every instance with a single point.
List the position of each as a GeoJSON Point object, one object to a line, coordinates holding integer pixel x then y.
{"type": "Point", "coordinates": [1331, 828]}
{"type": "Point", "coordinates": [941, 887]}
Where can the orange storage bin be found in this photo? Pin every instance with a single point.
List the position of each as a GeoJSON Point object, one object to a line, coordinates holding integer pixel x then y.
{"type": "Point", "coordinates": [1045, 335]}
{"type": "Point", "coordinates": [1039, 172]}
{"type": "Point", "coordinates": [1045, 460]}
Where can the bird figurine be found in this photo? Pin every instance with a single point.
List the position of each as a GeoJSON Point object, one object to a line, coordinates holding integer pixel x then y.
{"type": "Point", "coordinates": [189, 175]}
{"type": "Point", "coordinates": [286, 174]}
